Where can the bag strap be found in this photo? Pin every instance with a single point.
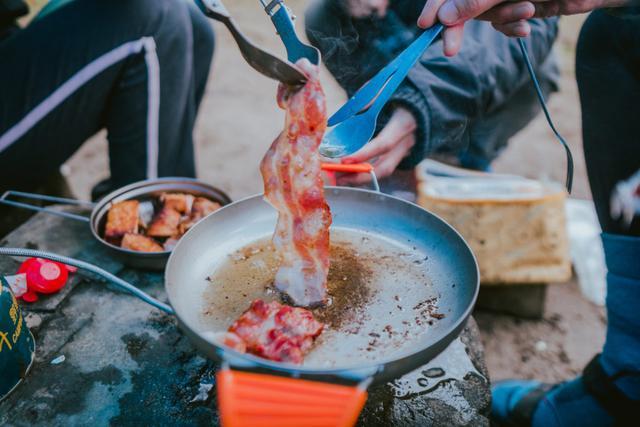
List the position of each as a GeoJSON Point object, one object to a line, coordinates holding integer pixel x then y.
{"type": "Point", "coordinates": [602, 387]}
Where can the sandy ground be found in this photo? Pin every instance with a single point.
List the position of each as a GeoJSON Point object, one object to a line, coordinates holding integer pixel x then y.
{"type": "Point", "coordinates": [238, 120]}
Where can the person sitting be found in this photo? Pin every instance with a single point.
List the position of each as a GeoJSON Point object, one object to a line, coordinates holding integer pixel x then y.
{"type": "Point", "coordinates": [469, 105]}
{"type": "Point", "coordinates": [137, 68]}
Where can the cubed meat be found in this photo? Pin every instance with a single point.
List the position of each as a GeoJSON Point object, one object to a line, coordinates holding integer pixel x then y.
{"type": "Point", "coordinates": [203, 207]}
{"type": "Point", "coordinates": [140, 243]}
{"type": "Point", "coordinates": [122, 218]}
{"type": "Point", "coordinates": [177, 201]}
{"type": "Point", "coordinates": [200, 209]}
{"type": "Point", "coordinates": [276, 331]}
{"type": "Point", "coordinates": [165, 223]}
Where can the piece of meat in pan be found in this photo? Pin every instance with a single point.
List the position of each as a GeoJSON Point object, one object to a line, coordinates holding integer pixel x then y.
{"type": "Point", "coordinates": [179, 202]}
{"type": "Point", "coordinates": [122, 218]}
{"type": "Point", "coordinates": [275, 331]}
{"type": "Point", "coordinates": [291, 171]}
{"type": "Point", "coordinates": [165, 223]}
{"type": "Point", "coordinates": [201, 208]}
{"type": "Point", "coordinates": [140, 243]}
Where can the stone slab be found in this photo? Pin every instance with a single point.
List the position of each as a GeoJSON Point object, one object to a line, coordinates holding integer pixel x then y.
{"type": "Point", "coordinates": [126, 363]}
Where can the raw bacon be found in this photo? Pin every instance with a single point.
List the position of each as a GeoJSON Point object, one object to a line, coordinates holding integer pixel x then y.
{"type": "Point", "coordinates": [293, 185]}
{"type": "Point", "coordinates": [274, 331]}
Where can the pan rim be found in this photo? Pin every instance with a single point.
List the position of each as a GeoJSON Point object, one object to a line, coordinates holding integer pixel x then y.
{"type": "Point", "coordinates": [246, 360]}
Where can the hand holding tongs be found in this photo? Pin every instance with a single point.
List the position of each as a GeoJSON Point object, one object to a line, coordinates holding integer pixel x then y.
{"type": "Point", "coordinates": [282, 19]}
{"type": "Point", "coordinates": [261, 60]}
{"type": "Point", "coordinates": [353, 125]}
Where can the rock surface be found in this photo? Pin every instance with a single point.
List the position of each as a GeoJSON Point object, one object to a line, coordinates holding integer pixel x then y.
{"type": "Point", "coordinates": [127, 363]}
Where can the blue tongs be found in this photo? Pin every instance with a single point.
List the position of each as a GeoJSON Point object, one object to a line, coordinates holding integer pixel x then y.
{"type": "Point", "coordinates": [282, 19]}
{"type": "Point", "coordinates": [353, 125]}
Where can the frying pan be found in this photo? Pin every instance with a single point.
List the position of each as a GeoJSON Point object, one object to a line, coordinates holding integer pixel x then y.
{"type": "Point", "coordinates": [343, 363]}
{"type": "Point", "coordinates": [142, 190]}
{"type": "Point", "coordinates": [419, 268]}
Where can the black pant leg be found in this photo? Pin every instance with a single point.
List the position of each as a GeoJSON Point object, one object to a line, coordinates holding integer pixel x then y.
{"type": "Point", "coordinates": [40, 59]}
{"type": "Point", "coordinates": [608, 74]}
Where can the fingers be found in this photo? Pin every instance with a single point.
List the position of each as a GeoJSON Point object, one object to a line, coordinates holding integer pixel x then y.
{"type": "Point", "coordinates": [550, 8]}
{"type": "Point", "coordinates": [452, 39]}
{"type": "Point", "coordinates": [429, 13]}
{"type": "Point", "coordinates": [514, 29]}
{"type": "Point", "coordinates": [384, 166]}
{"type": "Point", "coordinates": [401, 124]}
{"type": "Point", "coordinates": [507, 13]}
{"type": "Point", "coordinates": [454, 12]}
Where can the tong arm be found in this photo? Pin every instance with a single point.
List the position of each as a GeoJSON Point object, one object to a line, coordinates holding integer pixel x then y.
{"type": "Point", "coordinates": [282, 19]}
{"type": "Point", "coordinates": [382, 84]}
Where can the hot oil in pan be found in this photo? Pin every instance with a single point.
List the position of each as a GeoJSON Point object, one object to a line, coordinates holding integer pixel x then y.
{"type": "Point", "coordinates": [380, 298]}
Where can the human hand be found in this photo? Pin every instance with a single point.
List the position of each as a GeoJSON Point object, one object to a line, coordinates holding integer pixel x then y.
{"type": "Point", "coordinates": [506, 16]}
{"type": "Point", "coordinates": [385, 151]}
{"type": "Point", "coordinates": [364, 8]}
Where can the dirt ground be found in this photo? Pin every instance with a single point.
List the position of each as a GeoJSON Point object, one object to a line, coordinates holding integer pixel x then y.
{"type": "Point", "coordinates": [239, 119]}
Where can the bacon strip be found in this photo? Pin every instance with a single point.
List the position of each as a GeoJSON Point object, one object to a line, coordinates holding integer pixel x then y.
{"type": "Point", "coordinates": [293, 185]}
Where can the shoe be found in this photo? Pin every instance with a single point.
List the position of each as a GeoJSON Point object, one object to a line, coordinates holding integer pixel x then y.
{"type": "Point", "coordinates": [608, 393]}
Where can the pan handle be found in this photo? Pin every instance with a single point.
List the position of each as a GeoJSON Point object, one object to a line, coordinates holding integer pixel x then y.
{"type": "Point", "coordinates": [247, 399]}
{"type": "Point", "coordinates": [125, 286]}
{"type": "Point", "coordinates": [4, 200]}
{"type": "Point", "coordinates": [353, 168]}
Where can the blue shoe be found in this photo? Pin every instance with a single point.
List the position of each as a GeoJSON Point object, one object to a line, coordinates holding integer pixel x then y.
{"type": "Point", "coordinates": [517, 403]}
{"type": "Point", "coordinates": [608, 393]}
{"type": "Point", "coordinates": [513, 402]}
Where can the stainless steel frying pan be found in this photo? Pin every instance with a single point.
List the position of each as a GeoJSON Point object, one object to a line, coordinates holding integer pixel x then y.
{"type": "Point", "coordinates": [410, 279]}
{"type": "Point", "coordinates": [419, 276]}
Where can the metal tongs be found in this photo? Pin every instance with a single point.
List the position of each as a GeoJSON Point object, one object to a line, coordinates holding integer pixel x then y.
{"type": "Point", "coordinates": [283, 20]}
{"type": "Point", "coordinates": [261, 60]}
{"type": "Point", "coordinates": [353, 125]}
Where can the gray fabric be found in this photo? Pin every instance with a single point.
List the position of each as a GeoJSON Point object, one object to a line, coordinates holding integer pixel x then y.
{"type": "Point", "coordinates": [470, 104]}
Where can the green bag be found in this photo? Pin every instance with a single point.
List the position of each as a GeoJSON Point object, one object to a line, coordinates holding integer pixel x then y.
{"type": "Point", "coordinates": [17, 346]}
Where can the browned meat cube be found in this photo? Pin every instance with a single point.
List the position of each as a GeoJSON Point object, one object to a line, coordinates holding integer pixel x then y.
{"type": "Point", "coordinates": [165, 223]}
{"type": "Point", "coordinates": [201, 208]}
{"type": "Point", "coordinates": [122, 218]}
{"type": "Point", "coordinates": [177, 201]}
{"type": "Point", "coordinates": [140, 243]}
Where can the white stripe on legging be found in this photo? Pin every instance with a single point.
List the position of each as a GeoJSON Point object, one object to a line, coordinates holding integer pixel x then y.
{"type": "Point", "coordinates": [91, 70]}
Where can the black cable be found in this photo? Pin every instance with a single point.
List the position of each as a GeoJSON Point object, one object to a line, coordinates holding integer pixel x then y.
{"type": "Point", "coordinates": [525, 55]}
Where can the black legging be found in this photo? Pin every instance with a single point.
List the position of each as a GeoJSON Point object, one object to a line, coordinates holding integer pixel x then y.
{"type": "Point", "coordinates": [608, 74]}
{"type": "Point", "coordinates": [135, 67]}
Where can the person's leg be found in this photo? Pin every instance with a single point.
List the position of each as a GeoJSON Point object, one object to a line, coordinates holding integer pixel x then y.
{"type": "Point", "coordinates": [608, 73]}
{"type": "Point", "coordinates": [203, 48]}
{"type": "Point", "coordinates": [96, 63]}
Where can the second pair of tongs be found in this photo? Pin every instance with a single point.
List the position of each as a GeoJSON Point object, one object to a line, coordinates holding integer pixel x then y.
{"type": "Point", "coordinates": [261, 60]}
{"type": "Point", "coordinates": [283, 20]}
{"type": "Point", "coordinates": [353, 125]}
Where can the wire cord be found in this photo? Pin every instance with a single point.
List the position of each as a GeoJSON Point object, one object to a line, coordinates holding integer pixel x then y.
{"type": "Point", "coordinates": [126, 286]}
